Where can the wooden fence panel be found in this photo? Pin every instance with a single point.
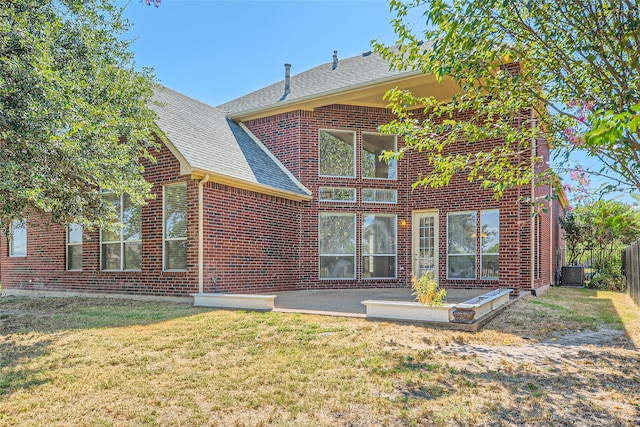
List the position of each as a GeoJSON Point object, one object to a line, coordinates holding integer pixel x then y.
{"type": "Point", "coordinates": [631, 269]}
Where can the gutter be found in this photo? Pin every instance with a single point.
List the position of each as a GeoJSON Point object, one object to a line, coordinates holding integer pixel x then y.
{"type": "Point", "coordinates": [201, 184]}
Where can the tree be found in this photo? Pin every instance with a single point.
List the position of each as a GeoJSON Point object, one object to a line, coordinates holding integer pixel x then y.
{"type": "Point", "coordinates": [567, 72]}
{"type": "Point", "coordinates": [74, 113]}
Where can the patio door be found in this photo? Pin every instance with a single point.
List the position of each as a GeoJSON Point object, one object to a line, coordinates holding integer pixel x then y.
{"type": "Point", "coordinates": [425, 243]}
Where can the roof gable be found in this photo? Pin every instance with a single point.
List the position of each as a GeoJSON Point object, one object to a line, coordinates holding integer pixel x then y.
{"type": "Point", "coordinates": [211, 143]}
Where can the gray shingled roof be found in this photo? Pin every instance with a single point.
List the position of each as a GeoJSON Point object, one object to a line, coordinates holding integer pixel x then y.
{"type": "Point", "coordinates": [358, 70]}
{"type": "Point", "coordinates": [211, 142]}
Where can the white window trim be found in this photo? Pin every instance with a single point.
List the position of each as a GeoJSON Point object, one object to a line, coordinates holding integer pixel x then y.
{"type": "Point", "coordinates": [121, 242]}
{"type": "Point", "coordinates": [73, 244]}
{"type": "Point", "coordinates": [355, 153]}
{"type": "Point", "coordinates": [338, 200]}
{"type": "Point", "coordinates": [482, 254]}
{"type": "Point", "coordinates": [362, 254]}
{"type": "Point", "coordinates": [355, 246]}
{"type": "Point", "coordinates": [12, 254]}
{"type": "Point", "coordinates": [164, 216]}
{"type": "Point", "coordinates": [395, 148]}
{"type": "Point", "coordinates": [475, 254]}
{"type": "Point", "coordinates": [382, 190]}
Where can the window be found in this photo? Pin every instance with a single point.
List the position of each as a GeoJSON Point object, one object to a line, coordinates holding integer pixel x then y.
{"type": "Point", "coordinates": [121, 246]}
{"type": "Point", "coordinates": [379, 246]}
{"type": "Point", "coordinates": [175, 227]}
{"type": "Point", "coordinates": [337, 241]}
{"type": "Point", "coordinates": [489, 244]}
{"type": "Point", "coordinates": [370, 195]}
{"type": "Point", "coordinates": [18, 240]}
{"type": "Point", "coordinates": [74, 247]}
{"type": "Point", "coordinates": [333, 194]}
{"type": "Point", "coordinates": [337, 153]}
{"type": "Point", "coordinates": [461, 245]}
{"type": "Point", "coordinates": [372, 147]}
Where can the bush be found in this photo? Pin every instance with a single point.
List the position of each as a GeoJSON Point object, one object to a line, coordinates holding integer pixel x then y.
{"type": "Point", "coordinates": [609, 279]}
{"type": "Point", "coordinates": [426, 290]}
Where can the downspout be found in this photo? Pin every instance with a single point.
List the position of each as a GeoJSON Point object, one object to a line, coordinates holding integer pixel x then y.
{"type": "Point", "coordinates": [533, 199]}
{"type": "Point", "coordinates": [201, 184]}
{"type": "Point", "coordinates": [552, 253]}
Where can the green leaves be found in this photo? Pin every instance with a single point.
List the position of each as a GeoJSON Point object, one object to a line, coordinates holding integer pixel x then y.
{"type": "Point", "coordinates": [526, 70]}
{"type": "Point", "coordinates": [74, 113]}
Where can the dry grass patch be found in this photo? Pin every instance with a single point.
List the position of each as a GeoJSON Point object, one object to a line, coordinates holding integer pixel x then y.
{"type": "Point", "coordinates": [75, 361]}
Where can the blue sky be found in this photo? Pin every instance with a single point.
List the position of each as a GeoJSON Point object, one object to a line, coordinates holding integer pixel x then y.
{"type": "Point", "coordinates": [215, 51]}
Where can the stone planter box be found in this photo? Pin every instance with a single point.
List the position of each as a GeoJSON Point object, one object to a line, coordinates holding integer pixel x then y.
{"type": "Point", "coordinates": [243, 301]}
{"type": "Point", "coordinates": [486, 303]}
{"type": "Point", "coordinates": [407, 310]}
{"type": "Point", "coordinates": [467, 312]}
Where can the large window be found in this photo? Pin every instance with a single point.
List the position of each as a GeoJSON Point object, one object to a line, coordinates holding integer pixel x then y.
{"type": "Point", "coordinates": [18, 241]}
{"type": "Point", "coordinates": [489, 244]}
{"type": "Point", "coordinates": [337, 241]}
{"type": "Point", "coordinates": [461, 245]}
{"type": "Point", "coordinates": [379, 246]}
{"type": "Point", "coordinates": [175, 227]}
{"type": "Point", "coordinates": [121, 246]}
{"type": "Point", "coordinates": [74, 247]}
{"type": "Point", "coordinates": [337, 153]}
{"type": "Point", "coordinates": [373, 145]}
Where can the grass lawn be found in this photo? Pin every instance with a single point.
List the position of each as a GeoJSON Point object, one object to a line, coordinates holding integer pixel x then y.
{"type": "Point", "coordinates": [569, 357]}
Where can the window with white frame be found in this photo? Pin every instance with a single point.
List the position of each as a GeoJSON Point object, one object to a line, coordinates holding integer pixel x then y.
{"type": "Point", "coordinates": [373, 145]}
{"type": "Point", "coordinates": [337, 245]}
{"type": "Point", "coordinates": [121, 246]}
{"type": "Point", "coordinates": [379, 247]}
{"type": "Point", "coordinates": [372, 195]}
{"type": "Point", "coordinates": [18, 238]}
{"type": "Point", "coordinates": [337, 153]}
{"type": "Point", "coordinates": [489, 244]}
{"type": "Point", "coordinates": [461, 245]}
{"type": "Point", "coordinates": [175, 227]}
{"type": "Point", "coordinates": [336, 194]}
{"type": "Point", "coordinates": [74, 247]}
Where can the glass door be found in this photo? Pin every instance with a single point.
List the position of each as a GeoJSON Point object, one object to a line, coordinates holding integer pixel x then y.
{"type": "Point", "coordinates": [425, 243]}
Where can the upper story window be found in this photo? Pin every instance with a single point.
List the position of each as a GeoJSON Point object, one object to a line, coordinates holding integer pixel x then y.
{"type": "Point", "coordinates": [18, 241]}
{"type": "Point", "coordinates": [337, 153]}
{"type": "Point", "coordinates": [372, 195]}
{"type": "Point", "coordinates": [335, 194]}
{"type": "Point", "coordinates": [175, 227]}
{"type": "Point", "coordinates": [373, 145]}
{"type": "Point", "coordinates": [74, 247]}
{"type": "Point", "coordinates": [121, 247]}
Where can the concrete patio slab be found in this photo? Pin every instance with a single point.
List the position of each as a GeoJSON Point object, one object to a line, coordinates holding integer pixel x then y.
{"type": "Point", "coordinates": [348, 302]}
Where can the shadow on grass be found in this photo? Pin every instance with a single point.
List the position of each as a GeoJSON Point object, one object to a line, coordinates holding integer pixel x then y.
{"type": "Point", "coordinates": [600, 388]}
{"type": "Point", "coordinates": [23, 315]}
{"type": "Point", "coordinates": [565, 312]}
{"type": "Point", "coordinates": [29, 327]}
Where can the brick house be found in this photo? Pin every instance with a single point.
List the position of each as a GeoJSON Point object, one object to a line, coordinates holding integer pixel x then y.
{"type": "Point", "coordinates": [282, 189]}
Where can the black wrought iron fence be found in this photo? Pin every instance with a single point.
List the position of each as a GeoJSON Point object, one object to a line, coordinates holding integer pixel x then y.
{"type": "Point", "coordinates": [631, 270]}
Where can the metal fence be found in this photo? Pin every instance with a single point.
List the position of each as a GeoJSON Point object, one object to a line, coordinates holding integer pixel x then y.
{"type": "Point", "coordinates": [631, 270]}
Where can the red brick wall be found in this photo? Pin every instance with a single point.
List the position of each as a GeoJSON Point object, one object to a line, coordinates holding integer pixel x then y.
{"type": "Point", "coordinates": [260, 243]}
{"type": "Point", "coordinates": [44, 267]}
{"type": "Point", "coordinates": [515, 207]}
{"type": "Point", "coordinates": [251, 241]}
{"type": "Point", "coordinates": [251, 244]}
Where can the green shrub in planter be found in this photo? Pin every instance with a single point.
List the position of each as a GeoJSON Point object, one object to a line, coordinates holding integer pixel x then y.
{"type": "Point", "coordinates": [426, 290]}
